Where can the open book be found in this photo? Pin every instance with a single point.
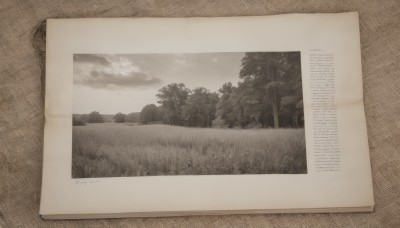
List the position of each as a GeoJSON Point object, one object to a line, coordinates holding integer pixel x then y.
{"type": "Point", "coordinates": [190, 116]}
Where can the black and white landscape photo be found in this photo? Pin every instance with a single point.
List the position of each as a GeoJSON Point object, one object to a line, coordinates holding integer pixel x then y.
{"type": "Point", "coordinates": [226, 113]}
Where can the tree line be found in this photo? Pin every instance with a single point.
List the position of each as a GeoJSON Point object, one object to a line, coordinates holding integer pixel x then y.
{"type": "Point", "coordinates": [96, 117]}
{"type": "Point", "coordinates": [269, 94]}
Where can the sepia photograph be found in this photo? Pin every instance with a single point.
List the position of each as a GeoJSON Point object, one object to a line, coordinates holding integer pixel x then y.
{"type": "Point", "coordinates": [223, 113]}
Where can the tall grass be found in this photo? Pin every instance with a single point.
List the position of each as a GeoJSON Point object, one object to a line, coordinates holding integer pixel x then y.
{"type": "Point", "coordinates": [114, 150]}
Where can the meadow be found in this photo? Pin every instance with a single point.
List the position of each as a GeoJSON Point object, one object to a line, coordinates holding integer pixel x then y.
{"type": "Point", "coordinates": [117, 150]}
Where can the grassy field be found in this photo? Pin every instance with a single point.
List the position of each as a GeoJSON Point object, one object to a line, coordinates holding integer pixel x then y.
{"type": "Point", "coordinates": [115, 150]}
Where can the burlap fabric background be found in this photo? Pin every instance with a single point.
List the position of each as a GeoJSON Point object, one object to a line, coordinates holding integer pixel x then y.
{"type": "Point", "coordinates": [21, 105]}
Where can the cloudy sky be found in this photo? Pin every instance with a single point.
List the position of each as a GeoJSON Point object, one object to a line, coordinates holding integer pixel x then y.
{"type": "Point", "coordinates": [126, 83]}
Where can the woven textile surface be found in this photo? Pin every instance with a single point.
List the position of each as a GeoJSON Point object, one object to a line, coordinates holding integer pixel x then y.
{"type": "Point", "coordinates": [22, 105]}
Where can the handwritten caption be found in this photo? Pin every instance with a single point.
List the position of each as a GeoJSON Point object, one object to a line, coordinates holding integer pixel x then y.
{"type": "Point", "coordinates": [86, 182]}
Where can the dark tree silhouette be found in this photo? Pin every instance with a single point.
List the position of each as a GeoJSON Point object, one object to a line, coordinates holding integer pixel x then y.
{"type": "Point", "coordinates": [132, 117]}
{"type": "Point", "coordinates": [200, 107]}
{"type": "Point", "coordinates": [149, 114]}
{"type": "Point", "coordinates": [95, 117]}
{"type": "Point", "coordinates": [274, 73]}
{"type": "Point", "coordinates": [224, 108]}
{"type": "Point", "coordinates": [85, 118]}
{"type": "Point", "coordinates": [119, 118]}
{"type": "Point", "coordinates": [172, 98]}
{"type": "Point", "coordinates": [77, 121]}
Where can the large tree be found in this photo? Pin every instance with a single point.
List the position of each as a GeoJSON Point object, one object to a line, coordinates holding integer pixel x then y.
{"type": "Point", "coordinates": [200, 107]}
{"type": "Point", "coordinates": [273, 72]}
{"type": "Point", "coordinates": [172, 98]}
{"type": "Point", "coordinates": [249, 107]}
{"type": "Point", "coordinates": [224, 108]}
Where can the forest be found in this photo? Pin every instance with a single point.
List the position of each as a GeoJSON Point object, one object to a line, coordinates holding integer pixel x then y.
{"type": "Point", "coordinates": [268, 95]}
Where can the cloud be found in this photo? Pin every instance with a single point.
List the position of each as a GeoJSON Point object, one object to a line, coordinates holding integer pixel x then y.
{"type": "Point", "coordinates": [121, 65]}
{"type": "Point", "coordinates": [101, 79]}
{"type": "Point", "coordinates": [110, 72]}
{"type": "Point", "coordinates": [92, 59]}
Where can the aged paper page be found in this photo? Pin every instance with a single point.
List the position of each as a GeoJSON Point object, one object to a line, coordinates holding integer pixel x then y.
{"type": "Point", "coordinates": [338, 167]}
